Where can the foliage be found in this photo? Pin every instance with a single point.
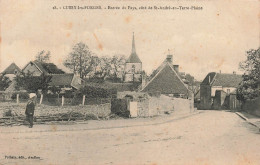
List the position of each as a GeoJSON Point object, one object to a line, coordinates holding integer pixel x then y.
{"type": "Point", "coordinates": [4, 82]}
{"type": "Point", "coordinates": [22, 95]}
{"type": "Point", "coordinates": [69, 94]}
{"type": "Point", "coordinates": [55, 90]}
{"type": "Point", "coordinates": [43, 56]}
{"type": "Point", "coordinates": [84, 62]}
{"type": "Point", "coordinates": [95, 92]}
{"type": "Point", "coordinates": [32, 83]}
{"type": "Point", "coordinates": [249, 87]}
{"type": "Point", "coordinates": [119, 107]}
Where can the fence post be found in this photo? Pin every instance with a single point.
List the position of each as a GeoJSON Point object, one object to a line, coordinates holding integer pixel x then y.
{"type": "Point", "coordinates": [62, 100]}
{"type": "Point", "coordinates": [83, 100]}
{"type": "Point", "coordinates": [17, 98]}
{"type": "Point", "coordinates": [41, 98]}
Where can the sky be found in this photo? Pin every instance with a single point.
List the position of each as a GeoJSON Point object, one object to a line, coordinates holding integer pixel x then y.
{"type": "Point", "coordinates": [213, 39]}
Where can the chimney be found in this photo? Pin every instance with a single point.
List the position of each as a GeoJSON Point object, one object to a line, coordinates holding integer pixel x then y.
{"type": "Point", "coordinates": [169, 58]}
{"type": "Point", "coordinates": [176, 68]}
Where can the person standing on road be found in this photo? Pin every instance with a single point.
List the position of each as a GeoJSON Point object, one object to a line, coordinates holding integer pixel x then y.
{"type": "Point", "coordinates": [30, 107]}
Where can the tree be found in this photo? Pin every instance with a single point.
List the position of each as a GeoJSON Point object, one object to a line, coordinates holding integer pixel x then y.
{"type": "Point", "coordinates": [117, 66]}
{"type": "Point", "coordinates": [55, 90]}
{"type": "Point", "coordinates": [4, 82]}
{"type": "Point", "coordinates": [43, 56]}
{"type": "Point", "coordinates": [249, 87]}
{"type": "Point", "coordinates": [104, 68]}
{"type": "Point", "coordinates": [32, 83]}
{"type": "Point", "coordinates": [110, 68]}
{"type": "Point", "coordinates": [81, 60]}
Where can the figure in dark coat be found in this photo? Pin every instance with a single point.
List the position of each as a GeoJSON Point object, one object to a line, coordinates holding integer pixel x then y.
{"type": "Point", "coordinates": [29, 112]}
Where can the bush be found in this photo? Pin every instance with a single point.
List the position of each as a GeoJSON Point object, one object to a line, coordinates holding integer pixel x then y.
{"type": "Point", "coordinates": [69, 94]}
{"type": "Point", "coordinates": [96, 92]}
{"type": "Point", "coordinates": [22, 95]}
{"type": "Point", "coordinates": [91, 117]}
{"type": "Point", "coordinates": [50, 95]}
{"type": "Point", "coordinates": [8, 113]}
{"type": "Point", "coordinates": [119, 107]}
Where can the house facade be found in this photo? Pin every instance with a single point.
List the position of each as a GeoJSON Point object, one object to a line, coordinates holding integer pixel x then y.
{"type": "Point", "coordinates": [133, 66]}
{"type": "Point", "coordinates": [217, 89]}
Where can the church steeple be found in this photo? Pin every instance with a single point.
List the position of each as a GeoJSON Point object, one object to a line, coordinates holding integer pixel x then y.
{"type": "Point", "coordinates": [133, 58]}
{"type": "Point", "coordinates": [133, 44]}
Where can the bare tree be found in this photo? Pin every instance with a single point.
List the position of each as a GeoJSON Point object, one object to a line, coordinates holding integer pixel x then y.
{"type": "Point", "coordinates": [80, 60]}
{"type": "Point", "coordinates": [43, 56]}
{"type": "Point", "coordinates": [117, 66]}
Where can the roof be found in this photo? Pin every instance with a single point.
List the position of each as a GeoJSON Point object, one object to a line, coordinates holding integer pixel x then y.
{"type": "Point", "coordinates": [11, 69]}
{"type": "Point", "coordinates": [48, 68]}
{"type": "Point", "coordinates": [68, 79]}
{"type": "Point", "coordinates": [61, 79]}
{"type": "Point", "coordinates": [222, 79]}
{"type": "Point", "coordinates": [166, 81]}
{"type": "Point", "coordinates": [133, 58]}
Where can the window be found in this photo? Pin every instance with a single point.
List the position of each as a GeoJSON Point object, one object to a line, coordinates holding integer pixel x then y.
{"type": "Point", "coordinates": [133, 68]}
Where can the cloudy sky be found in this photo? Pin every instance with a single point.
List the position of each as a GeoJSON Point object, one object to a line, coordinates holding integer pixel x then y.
{"type": "Point", "coordinates": [213, 39]}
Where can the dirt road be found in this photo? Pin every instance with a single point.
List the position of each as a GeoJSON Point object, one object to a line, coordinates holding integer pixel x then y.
{"type": "Point", "coordinates": [212, 137]}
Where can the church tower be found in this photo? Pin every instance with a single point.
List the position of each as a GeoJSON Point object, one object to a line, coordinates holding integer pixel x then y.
{"type": "Point", "coordinates": [133, 66]}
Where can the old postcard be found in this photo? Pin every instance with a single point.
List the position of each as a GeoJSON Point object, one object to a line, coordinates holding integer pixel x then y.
{"type": "Point", "coordinates": [129, 82]}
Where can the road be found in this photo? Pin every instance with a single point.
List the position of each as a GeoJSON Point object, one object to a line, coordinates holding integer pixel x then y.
{"type": "Point", "coordinates": [211, 137]}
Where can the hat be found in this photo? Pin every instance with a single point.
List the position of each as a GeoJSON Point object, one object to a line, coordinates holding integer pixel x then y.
{"type": "Point", "coordinates": [31, 95]}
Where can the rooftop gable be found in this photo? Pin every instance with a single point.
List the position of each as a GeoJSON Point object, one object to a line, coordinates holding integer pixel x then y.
{"type": "Point", "coordinates": [166, 81]}
{"type": "Point", "coordinates": [12, 69]}
{"type": "Point", "coordinates": [46, 68]}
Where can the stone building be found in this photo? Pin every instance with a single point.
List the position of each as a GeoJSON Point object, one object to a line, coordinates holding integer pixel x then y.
{"type": "Point", "coordinates": [167, 80]}
{"type": "Point", "coordinates": [133, 66]}
{"type": "Point", "coordinates": [217, 88]}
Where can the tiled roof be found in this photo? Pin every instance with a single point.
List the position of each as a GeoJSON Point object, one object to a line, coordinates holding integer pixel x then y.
{"type": "Point", "coordinates": [222, 79]}
{"type": "Point", "coordinates": [68, 79]}
{"type": "Point", "coordinates": [166, 81]}
{"type": "Point", "coordinates": [61, 79]}
{"type": "Point", "coordinates": [11, 69]}
{"type": "Point", "coordinates": [48, 68]}
{"type": "Point", "coordinates": [133, 58]}
{"type": "Point", "coordinates": [227, 80]}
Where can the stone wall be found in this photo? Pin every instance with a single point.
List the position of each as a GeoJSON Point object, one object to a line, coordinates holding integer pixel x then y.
{"type": "Point", "coordinates": [153, 106]}
{"type": "Point", "coordinates": [102, 110]}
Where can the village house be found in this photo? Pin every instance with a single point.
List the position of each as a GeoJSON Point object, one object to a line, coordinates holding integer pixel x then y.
{"type": "Point", "coordinates": [218, 91]}
{"type": "Point", "coordinates": [11, 71]}
{"type": "Point", "coordinates": [167, 80]}
{"type": "Point", "coordinates": [59, 78]}
{"type": "Point", "coordinates": [38, 68]}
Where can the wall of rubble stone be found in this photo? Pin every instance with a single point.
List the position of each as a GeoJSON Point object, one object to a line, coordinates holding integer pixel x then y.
{"type": "Point", "coordinates": [102, 110]}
